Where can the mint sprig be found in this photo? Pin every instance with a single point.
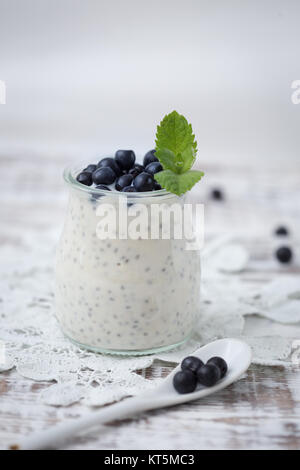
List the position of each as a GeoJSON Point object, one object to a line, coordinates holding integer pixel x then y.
{"type": "Point", "coordinates": [176, 149]}
{"type": "Point", "coordinates": [178, 183]}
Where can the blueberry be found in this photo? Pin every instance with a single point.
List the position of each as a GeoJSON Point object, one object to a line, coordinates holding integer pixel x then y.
{"type": "Point", "coordinates": [208, 375]}
{"type": "Point", "coordinates": [143, 182]}
{"type": "Point", "coordinates": [129, 189]}
{"type": "Point", "coordinates": [97, 196]}
{"type": "Point", "coordinates": [125, 159]}
{"type": "Point", "coordinates": [85, 177]}
{"type": "Point", "coordinates": [157, 186]}
{"type": "Point", "coordinates": [139, 167]}
{"type": "Point", "coordinates": [133, 172]}
{"type": "Point", "coordinates": [150, 157]}
{"type": "Point", "coordinates": [284, 254]}
{"type": "Point", "coordinates": [123, 181]}
{"type": "Point", "coordinates": [136, 170]}
{"type": "Point", "coordinates": [104, 175]}
{"type": "Point", "coordinates": [111, 162]}
{"type": "Point", "coordinates": [219, 362]}
{"type": "Point", "coordinates": [154, 167]}
{"type": "Point", "coordinates": [185, 381]}
{"type": "Point", "coordinates": [191, 363]}
{"type": "Point", "coordinates": [281, 231]}
{"type": "Point", "coordinates": [217, 194]}
{"type": "Point", "coordinates": [102, 186]}
{"type": "Point", "coordinates": [90, 168]}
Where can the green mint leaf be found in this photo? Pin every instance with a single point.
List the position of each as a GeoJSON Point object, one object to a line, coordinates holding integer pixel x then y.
{"type": "Point", "coordinates": [178, 163]}
{"type": "Point", "coordinates": [176, 150]}
{"type": "Point", "coordinates": [189, 157]}
{"type": "Point", "coordinates": [178, 183]}
{"type": "Point", "coordinates": [167, 159]}
{"type": "Point", "coordinates": [176, 135]}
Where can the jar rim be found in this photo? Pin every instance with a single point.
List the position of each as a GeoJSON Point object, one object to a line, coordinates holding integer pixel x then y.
{"type": "Point", "coordinates": [69, 176]}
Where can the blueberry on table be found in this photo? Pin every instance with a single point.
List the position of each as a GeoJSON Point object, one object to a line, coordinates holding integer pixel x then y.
{"type": "Point", "coordinates": [104, 175]}
{"type": "Point", "coordinates": [284, 254]}
{"type": "Point", "coordinates": [150, 157]}
{"type": "Point", "coordinates": [111, 162]}
{"type": "Point", "coordinates": [123, 181]}
{"type": "Point", "coordinates": [219, 362]}
{"type": "Point", "coordinates": [208, 375]}
{"type": "Point", "coordinates": [90, 168]}
{"type": "Point", "coordinates": [85, 177]}
{"type": "Point", "coordinates": [125, 159]}
{"type": "Point", "coordinates": [143, 182]}
{"type": "Point", "coordinates": [185, 381]}
{"type": "Point", "coordinates": [154, 167]}
{"type": "Point", "coordinates": [217, 194]}
{"type": "Point", "coordinates": [129, 189]}
{"type": "Point", "coordinates": [191, 363]}
{"type": "Point", "coordinates": [281, 231]}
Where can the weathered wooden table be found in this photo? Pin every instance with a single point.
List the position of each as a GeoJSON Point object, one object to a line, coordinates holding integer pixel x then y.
{"type": "Point", "coordinates": [262, 411]}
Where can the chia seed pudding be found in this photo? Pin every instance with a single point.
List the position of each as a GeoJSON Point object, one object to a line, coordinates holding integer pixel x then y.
{"type": "Point", "coordinates": [122, 296]}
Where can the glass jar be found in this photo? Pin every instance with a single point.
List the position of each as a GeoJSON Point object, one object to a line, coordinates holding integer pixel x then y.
{"type": "Point", "coordinates": [122, 296]}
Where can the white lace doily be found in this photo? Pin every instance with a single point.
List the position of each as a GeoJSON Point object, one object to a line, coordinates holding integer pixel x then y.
{"type": "Point", "coordinates": [35, 346]}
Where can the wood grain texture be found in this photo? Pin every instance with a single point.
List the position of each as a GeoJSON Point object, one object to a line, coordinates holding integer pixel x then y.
{"type": "Point", "coordinates": [261, 411]}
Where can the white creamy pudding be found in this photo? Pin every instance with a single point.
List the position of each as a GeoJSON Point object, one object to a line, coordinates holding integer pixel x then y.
{"type": "Point", "coordinates": [123, 295]}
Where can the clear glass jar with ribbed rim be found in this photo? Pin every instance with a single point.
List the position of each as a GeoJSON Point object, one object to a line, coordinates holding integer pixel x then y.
{"type": "Point", "coordinates": [119, 294]}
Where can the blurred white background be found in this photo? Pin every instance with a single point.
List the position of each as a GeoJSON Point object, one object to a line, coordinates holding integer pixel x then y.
{"type": "Point", "coordinates": [85, 77]}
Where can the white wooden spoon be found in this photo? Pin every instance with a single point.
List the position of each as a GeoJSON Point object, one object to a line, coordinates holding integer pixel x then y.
{"type": "Point", "coordinates": [236, 353]}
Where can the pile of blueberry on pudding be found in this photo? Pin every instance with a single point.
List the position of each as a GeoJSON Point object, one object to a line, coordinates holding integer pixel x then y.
{"type": "Point", "coordinates": [122, 173]}
{"type": "Point", "coordinates": [129, 295]}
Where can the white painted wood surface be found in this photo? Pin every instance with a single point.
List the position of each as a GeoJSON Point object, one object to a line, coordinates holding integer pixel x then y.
{"type": "Point", "coordinates": [262, 411]}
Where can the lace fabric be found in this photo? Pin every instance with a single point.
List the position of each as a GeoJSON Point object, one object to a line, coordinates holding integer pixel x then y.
{"type": "Point", "coordinates": [33, 343]}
